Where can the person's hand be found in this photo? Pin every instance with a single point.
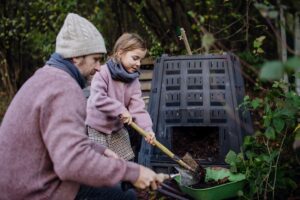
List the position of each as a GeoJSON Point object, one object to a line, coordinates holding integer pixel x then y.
{"type": "Point", "coordinates": [159, 179]}
{"type": "Point", "coordinates": [126, 118]}
{"type": "Point", "coordinates": [110, 154]}
{"type": "Point", "coordinates": [149, 178]}
{"type": "Point", "coordinates": [150, 138]}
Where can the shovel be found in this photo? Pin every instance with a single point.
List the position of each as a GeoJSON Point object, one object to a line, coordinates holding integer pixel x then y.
{"type": "Point", "coordinates": [190, 175]}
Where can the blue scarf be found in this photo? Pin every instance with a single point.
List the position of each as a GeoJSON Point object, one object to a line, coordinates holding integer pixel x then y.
{"type": "Point", "coordinates": [59, 62]}
{"type": "Point", "coordinates": [118, 72]}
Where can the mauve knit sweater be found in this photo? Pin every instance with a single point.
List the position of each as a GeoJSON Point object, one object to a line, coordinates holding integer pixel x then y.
{"type": "Point", "coordinates": [44, 150]}
{"type": "Point", "coordinates": [109, 98]}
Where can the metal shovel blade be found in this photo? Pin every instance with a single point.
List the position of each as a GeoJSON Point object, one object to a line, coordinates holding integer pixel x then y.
{"type": "Point", "coordinates": [187, 178]}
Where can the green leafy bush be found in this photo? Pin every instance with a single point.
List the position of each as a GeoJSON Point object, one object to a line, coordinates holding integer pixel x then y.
{"type": "Point", "coordinates": [267, 158]}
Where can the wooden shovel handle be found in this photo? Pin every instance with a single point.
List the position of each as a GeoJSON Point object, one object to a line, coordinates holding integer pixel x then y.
{"type": "Point", "coordinates": [162, 147]}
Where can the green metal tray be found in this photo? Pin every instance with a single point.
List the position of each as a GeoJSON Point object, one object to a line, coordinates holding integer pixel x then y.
{"type": "Point", "coordinates": [223, 191]}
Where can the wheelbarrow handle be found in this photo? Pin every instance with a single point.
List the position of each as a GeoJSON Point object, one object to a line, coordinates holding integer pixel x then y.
{"type": "Point", "coordinates": [162, 147]}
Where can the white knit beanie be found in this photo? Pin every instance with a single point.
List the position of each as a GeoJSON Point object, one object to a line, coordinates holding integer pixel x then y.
{"type": "Point", "coordinates": [78, 37]}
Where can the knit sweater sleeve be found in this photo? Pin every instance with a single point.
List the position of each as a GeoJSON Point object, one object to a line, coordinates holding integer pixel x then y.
{"type": "Point", "coordinates": [137, 107]}
{"type": "Point", "coordinates": [99, 95]}
{"type": "Point", "coordinates": [72, 153]}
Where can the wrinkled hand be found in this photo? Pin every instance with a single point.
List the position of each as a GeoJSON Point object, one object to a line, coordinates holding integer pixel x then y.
{"type": "Point", "coordinates": [149, 178]}
{"type": "Point", "coordinates": [126, 118]}
{"type": "Point", "coordinates": [150, 138]}
{"type": "Point", "coordinates": [110, 154]}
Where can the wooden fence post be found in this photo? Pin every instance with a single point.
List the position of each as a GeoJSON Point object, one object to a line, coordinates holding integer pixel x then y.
{"type": "Point", "coordinates": [186, 43]}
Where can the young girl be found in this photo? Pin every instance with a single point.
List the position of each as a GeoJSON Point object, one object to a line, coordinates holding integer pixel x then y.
{"type": "Point", "coordinates": [116, 97]}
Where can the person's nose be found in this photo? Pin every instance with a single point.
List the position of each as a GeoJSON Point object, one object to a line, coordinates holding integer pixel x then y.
{"type": "Point", "coordinates": [138, 63]}
{"type": "Point", "coordinates": [97, 68]}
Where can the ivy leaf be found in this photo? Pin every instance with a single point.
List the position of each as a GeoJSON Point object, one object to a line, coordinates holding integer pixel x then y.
{"type": "Point", "coordinates": [278, 124]}
{"type": "Point", "coordinates": [247, 140]}
{"type": "Point", "coordinates": [262, 8]}
{"type": "Point", "coordinates": [207, 41]}
{"type": "Point", "coordinates": [267, 121]}
{"type": "Point", "coordinates": [240, 157]}
{"type": "Point", "coordinates": [255, 103]}
{"type": "Point", "coordinates": [230, 157]}
{"type": "Point", "coordinates": [258, 159]}
{"type": "Point", "coordinates": [293, 63]}
{"type": "Point", "coordinates": [273, 14]}
{"type": "Point", "coordinates": [233, 168]}
{"type": "Point", "coordinates": [246, 98]}
{"type": "Point", "coordinates": [192, 14]}
{"type": "Point", "coordinates": [271, 71]}
{"type": "Point", "coordinates": [240, 193]}
{"type": "Point", "coordinates": [258, 41]}
{"type": "Point", "coordinates": [260, 50]}
{"type": "Point", "coordinates": [266, 158]}
{"type": "Point", "coordinates": [250, 155]}
{"type": "Point", "coordinates": [270, 133]}
{"type": "Point", "coordinates": [287, 112]}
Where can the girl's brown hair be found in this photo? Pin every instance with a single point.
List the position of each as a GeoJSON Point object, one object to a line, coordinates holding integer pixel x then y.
{"type": "Point", "coordinates": [128, 42]}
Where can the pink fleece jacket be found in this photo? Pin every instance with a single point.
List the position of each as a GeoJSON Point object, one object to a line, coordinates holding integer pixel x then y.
{"type": "Point", "coordinates": [110, 98]}
{"type": "Point", "coordinates": [44, 150]}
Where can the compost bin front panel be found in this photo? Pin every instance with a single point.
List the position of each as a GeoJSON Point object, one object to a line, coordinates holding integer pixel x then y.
{"type": "Point", "coordinates": [202, 94]}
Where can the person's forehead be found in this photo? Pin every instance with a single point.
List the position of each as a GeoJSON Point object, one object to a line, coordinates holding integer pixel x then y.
{"type": "Point", "coordinates": [137, 52]}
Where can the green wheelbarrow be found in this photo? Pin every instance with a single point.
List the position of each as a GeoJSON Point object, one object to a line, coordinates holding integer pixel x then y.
{"type": "Point", "coordinates": [230, 189]}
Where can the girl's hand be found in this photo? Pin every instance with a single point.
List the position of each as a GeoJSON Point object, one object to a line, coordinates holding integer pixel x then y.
{"type": "Point", "coordinates": [126, 118]}
{"type": "Point", "coordinates": [150, 138]}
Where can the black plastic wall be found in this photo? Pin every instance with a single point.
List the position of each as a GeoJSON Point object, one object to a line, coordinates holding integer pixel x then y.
{"type": "Point", "coordinates": [196, 91]}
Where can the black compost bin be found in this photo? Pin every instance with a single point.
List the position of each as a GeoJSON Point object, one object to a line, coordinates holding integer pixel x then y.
{"type": "Point", "coordinates": [193, 104]}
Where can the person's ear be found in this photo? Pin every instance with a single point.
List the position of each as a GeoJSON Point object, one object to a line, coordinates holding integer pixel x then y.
{"type": "Point", "coordinates": [77, 60]}
{"type": "Point", "coordinates": [119, 55]}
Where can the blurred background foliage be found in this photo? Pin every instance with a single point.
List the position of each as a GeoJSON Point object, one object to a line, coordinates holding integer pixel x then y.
{"type": "Point", "coordinates": [28, 29]}
{"type": "Point", "coordinates": [265, 34]}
